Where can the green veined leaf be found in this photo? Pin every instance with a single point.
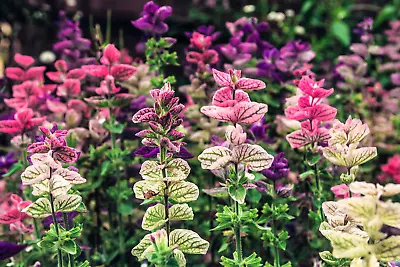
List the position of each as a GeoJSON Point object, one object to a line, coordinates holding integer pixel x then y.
{"type": "Point", "coordinates": [69, 246]}
{"type": "Point", "coordinates": [71, 176]}
{"type": "Point", "coordinates": [178, 164]}
{"type": "Point", "coordinates": [182, 192]}
{"type": "Point", "coordinates": [142, 187]}
{"type": "Point", "coordinates": [154, 217]}
{"type": "Point", "coordinates": [39, 209]}
{"type": "Point", "coordinates": [389, 213]}
{"type": "Point", "coordinates": [211, 157]}
{"type": "Point", "coordinates": [151, 170]}
{"type": "Point", "coordinates": [139, 249]}
{"type": "Point", "coordinates": [35, 173]}
{"type": "Point", "coordinates": [361, 209]}
{"type": "Point", "coordinates": [67, 203]}
{"type": "Point", "coordinates": [180, 258]}
{"type": "Point", "coordinates": [254, 156]}
{"type": "Point", "coordinates": [58, 186]}
{"type": "Point", "coordinates": [388, 249]}
{"type": "Point", "coordinates": [180, 212]}
{"type": "Point", "coordinates": [188, 241]}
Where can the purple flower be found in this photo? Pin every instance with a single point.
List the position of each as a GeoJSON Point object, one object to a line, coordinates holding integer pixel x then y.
{"type": "Point", "coordinates": [138, 103]}
{"type": "Point", "coordinates": [8, 249]}
{"type": "Point", "coordinates": [259, 130]}
{"type": "Point", "coordinates": [293, 56]}
{"type": "Point", "coordinates": [6, 162]}
{"type": "Point", "coordinates": [72, 47]}
{"type": "Point", "coordinates": [152, 18]}
{"type": "Point", "coordinates": [279, 168]}
{"type": "Point", "coordinates": [60, 219]}
{"type": "Point", "coordinates": [151, 152]}
{"type": "Point", "coordinates": [394, 264]}
{"type": "Point", "coordinates": [205, 30]}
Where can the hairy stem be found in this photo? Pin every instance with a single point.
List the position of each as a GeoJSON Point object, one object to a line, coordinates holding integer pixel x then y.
{"type": "Point", "coordinates": [53, 214]}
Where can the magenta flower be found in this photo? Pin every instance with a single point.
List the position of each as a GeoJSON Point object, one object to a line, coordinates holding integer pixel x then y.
{"type": "Point", "coordinates": [391, 170]}
{"type": "Point", "coordinates": [53, 142]}
{"type": "Point", "coordinates": [12, 210]}
{"type": "Point", "coordinates": [152, 18]}
{"type": "Point", "coordinates": [25, 72]}
{"type": "Point", "coordinates": [203, 56]}
{"type": "Point", "coordinates": [310, 110]}
{"type": "Point", "coordinates": [23, 121]}
{"type": "Point", "coordinates": [231, 103]}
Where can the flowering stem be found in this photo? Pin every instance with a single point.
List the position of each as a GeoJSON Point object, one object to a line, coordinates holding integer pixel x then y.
{"type": "Point", "coordinates": [163, 155]}
{"type": "Point", "coordinates": [318, 183]}
{"type": "Point", "coordinates": [53, 214]}
{"type": "Point", "coordinates": [277, 261]}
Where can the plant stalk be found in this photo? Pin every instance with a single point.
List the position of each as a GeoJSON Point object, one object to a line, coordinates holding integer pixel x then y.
{"type": "Point", "coordinates": [71, 260]}
{"type": "Point", "coordinates": [53, 214]}
{"type": "Point", "coordinates": [163, 156]}
{"type": "Point", "coordinates": [237, 230]}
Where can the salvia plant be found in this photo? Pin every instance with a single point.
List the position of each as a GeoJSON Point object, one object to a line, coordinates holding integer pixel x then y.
{"type": "Point", "coordinates": [164, 185]}
{"type": "Point", "coordinates": [303, 173]}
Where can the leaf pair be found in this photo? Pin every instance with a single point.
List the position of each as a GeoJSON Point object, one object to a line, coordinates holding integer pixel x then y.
{"type": "Point", "coordinates": [154, 217]}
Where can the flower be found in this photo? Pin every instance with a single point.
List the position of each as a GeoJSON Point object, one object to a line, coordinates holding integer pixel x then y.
{"type": "Point", "coordinates": [152, 18]}
{"type": "Point", "coordinates": [312, 112]}
{"type": "Point", "coordinates": [231, 103]}
{"type": "Point", "coordinates": [11, 213]}
{"type": "Point", "coordinates": [23, 121]}
{"type": "Point", "coordinates": [278, 169]}
{"type": "Point", "coordinates": [341, 191]}
{"type": "Point", "coordinates": [294, 55]}
{"type": "Point", "coordinates": [59, 217]}
{"type": "Point", "coordinates": [25, 72]}
{"type": "Point", "coordinates": [8, 249]}
{"type": "Point", "coordinates": [352, 131]}
{"type": "Point", "coordinates": [6, 162]}
{"type": "Point", "coordinates": [52, 142]}
{"type": "Point", "coordinates": [391, 170]}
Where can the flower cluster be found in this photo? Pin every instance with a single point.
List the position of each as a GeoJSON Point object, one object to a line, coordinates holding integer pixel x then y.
{"type": "Point", "coordinates": [355, 226]}
{"type": "Point", "coordinates": [391, 170]}
{"type": "Point", "coordinates": [152, 19]}
{"type": "Point", "coordinates": [50, 181]}
{"type": "Point", "coordinates": [310, 110]}
{"type": "Point", "coordinates": [164, 181]}
{"type": "Point", "coordinates": [202, 56]}
{"type": "Point", "coordinates": [13, 215]}
{"type": "Point", "coordinates": [342, 146]}
{"type": "Point", "coordinates": [72, 47]}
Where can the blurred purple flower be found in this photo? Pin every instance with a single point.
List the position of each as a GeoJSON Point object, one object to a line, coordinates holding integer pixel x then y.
{"type": "Point", "coordinates": [60, 219]}
{"type": "Point", "coordinates": [293, 56]}
{"type": "Point", "coordinates": [152, 18]}
{"type": "Point", "coordinates": [279, 168]}
{"type": "Point", "coordinates": [8, 249]}
{"type": "Point", "coordinates": [364, 29]}
{"type": "Point", "coordinates": [151, 152]}
{"type": "Point", "coordinates": [138, 103]}
{"type": "Point", "coordinates": [259, 130]}
{"type": "Point", "coordinates": [71, 46]}
{"type": "Point", "coordinates": [6, 162]}
{"type": "Point", "coordinates": [205, 30]}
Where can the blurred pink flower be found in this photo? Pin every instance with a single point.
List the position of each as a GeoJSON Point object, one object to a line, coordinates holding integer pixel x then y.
{"type": "Point", "coordinates": [391, 170]}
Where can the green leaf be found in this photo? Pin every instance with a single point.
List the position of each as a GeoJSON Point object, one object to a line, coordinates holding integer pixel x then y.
{"type": "Point", "coordinates": [341, 31]}
{"type": "Point", "coordinates": [84, 264]}
{"type": "Point", "coordinates": [139, 249]}
{"type": "Point", "coordinates": [180, 257]}
{"type": "Point", "coordinates": [306, 174]}
{"type": "Point", "coordinates": [182, 192]}
{"type": "Point", "coordinates": [35, 173]}
{"type": "Point", "coordinates": [237, 192]}
{"type": "Point", "coordinates": [14, 169]}
{"type": "Point", "coordinates": [39, 209]}
{"type": "Point", "coordinates": [386, 13]}
{"type": "Point", "coordinates": [69, 246]}
{"type": "Point", "coordinates": [188, 241]}
{"type": "Point", "coordinates": [219, 192]}
{"type": "Point", "coordinates": [125, 208]}
{"type": "Point", "coordinates": [312, 159]}
{"type": "Point", "coordinates": [180, 212]}
{"type": "Point", "coordinates": [154, 217]}
{"type": "Point", "coordinates": [67, 203]}
{"type": "Point", "coordinates": [287, 264]}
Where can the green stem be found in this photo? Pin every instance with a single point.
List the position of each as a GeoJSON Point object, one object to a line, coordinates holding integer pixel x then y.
{"type": "Point", "coordinates": [318, 184]}
{"type": "Point", "coordinates": [121, 238]}
{"type": "Point", "coordinates": [237, 230]}
{"type": "Point", "coordinates": [163, 156]}
{"type": "Point", "coordinates": [53, 214]}
{"type": "Point", "coordinates": [71, 261]}
{"type": "Point", "coordinates": [277, 261]}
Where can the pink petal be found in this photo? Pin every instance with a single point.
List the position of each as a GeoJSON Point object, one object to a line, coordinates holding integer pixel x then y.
{"type": "Point", "coordinates": [10, 217]}
{"type": "Point", "coordinates": [242, 112]}
{"type": "Point", "coordinates": [210, 57]}
{"type": "Point", "coordinates": [23, 116]}
{"type": "Point", "coordinates": [122, 72]}
{"type": "Point", "coordinates": [13, 73]}
{"type": "Point", "coordinates": [194, 57]}
{"type": "Point", "coordinates": [23, 61]}
{"type": "Point", "coordinates": [111, 55]}
{"type": "Point", "coordinates": [224, 98]}
{"type": "Point", "coordinates": [222, 78]}
{"type": "Point", "coordinates": [65, 154]}
{"type": "Point", "coordinates": [35, 122]}
{"type": "Point", "coordinates": [174, 135]}
{"type": "Point", "coordinates": [61, 66]}
{"type": "Point", "coordinates": [70, 87]}
{"type": "Point", "coordinates": [250, 84]}
{"type": "Point", "coordinates": [78, 105]}
{"type": "Point", "coordinates": [38, 147]}
{"type": "Point", "coordinates": [96, 70]}
{"type": "Point", "coordinates": [78, 74]}
{"type": "Point", "coordinates": [145, 115]}
{"type": "Point", "coordinates": [321, 112]}
{"type": "Point", "coordinates": [16, 103]}
{"type": "Point", "coordinates": [296, 113]}
{"type": "Point", "coordinates": [35, 74]}
{"type": "Point", "coordinates": [56, 106]}
{"type": "Point", "coordinates": [301, 137]}
{"type": "Point", "coordinates": [55, 76]}
{"type": "Point", "coordinates": [10, 126]}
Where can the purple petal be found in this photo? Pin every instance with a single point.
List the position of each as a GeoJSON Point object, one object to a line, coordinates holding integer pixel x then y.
{"type": "Point", "coordinates": [8, 249]}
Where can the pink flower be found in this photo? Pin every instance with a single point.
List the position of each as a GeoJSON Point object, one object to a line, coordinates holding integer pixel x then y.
{"type": "Point", "coordinates": [200, 41]}
{"type": "Point", "coordinates": [25, 73]}
{"type": "Point", "coordinates": [63, 73]}
{"type": "Point", "coordinates": [391, 170]}
{"type": "Point", "coordinates": [11, 213]}
{"type": "Point", "coordinates": [234, 81]}
{"type": "Point", "coordinates": [341, 191]}
{"type": "Point", "coordinates": [310, 110]}
{"type": "Point", "coordinates": [24, 121]}
{"type": "Point", "coordinates": [111, 66]}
